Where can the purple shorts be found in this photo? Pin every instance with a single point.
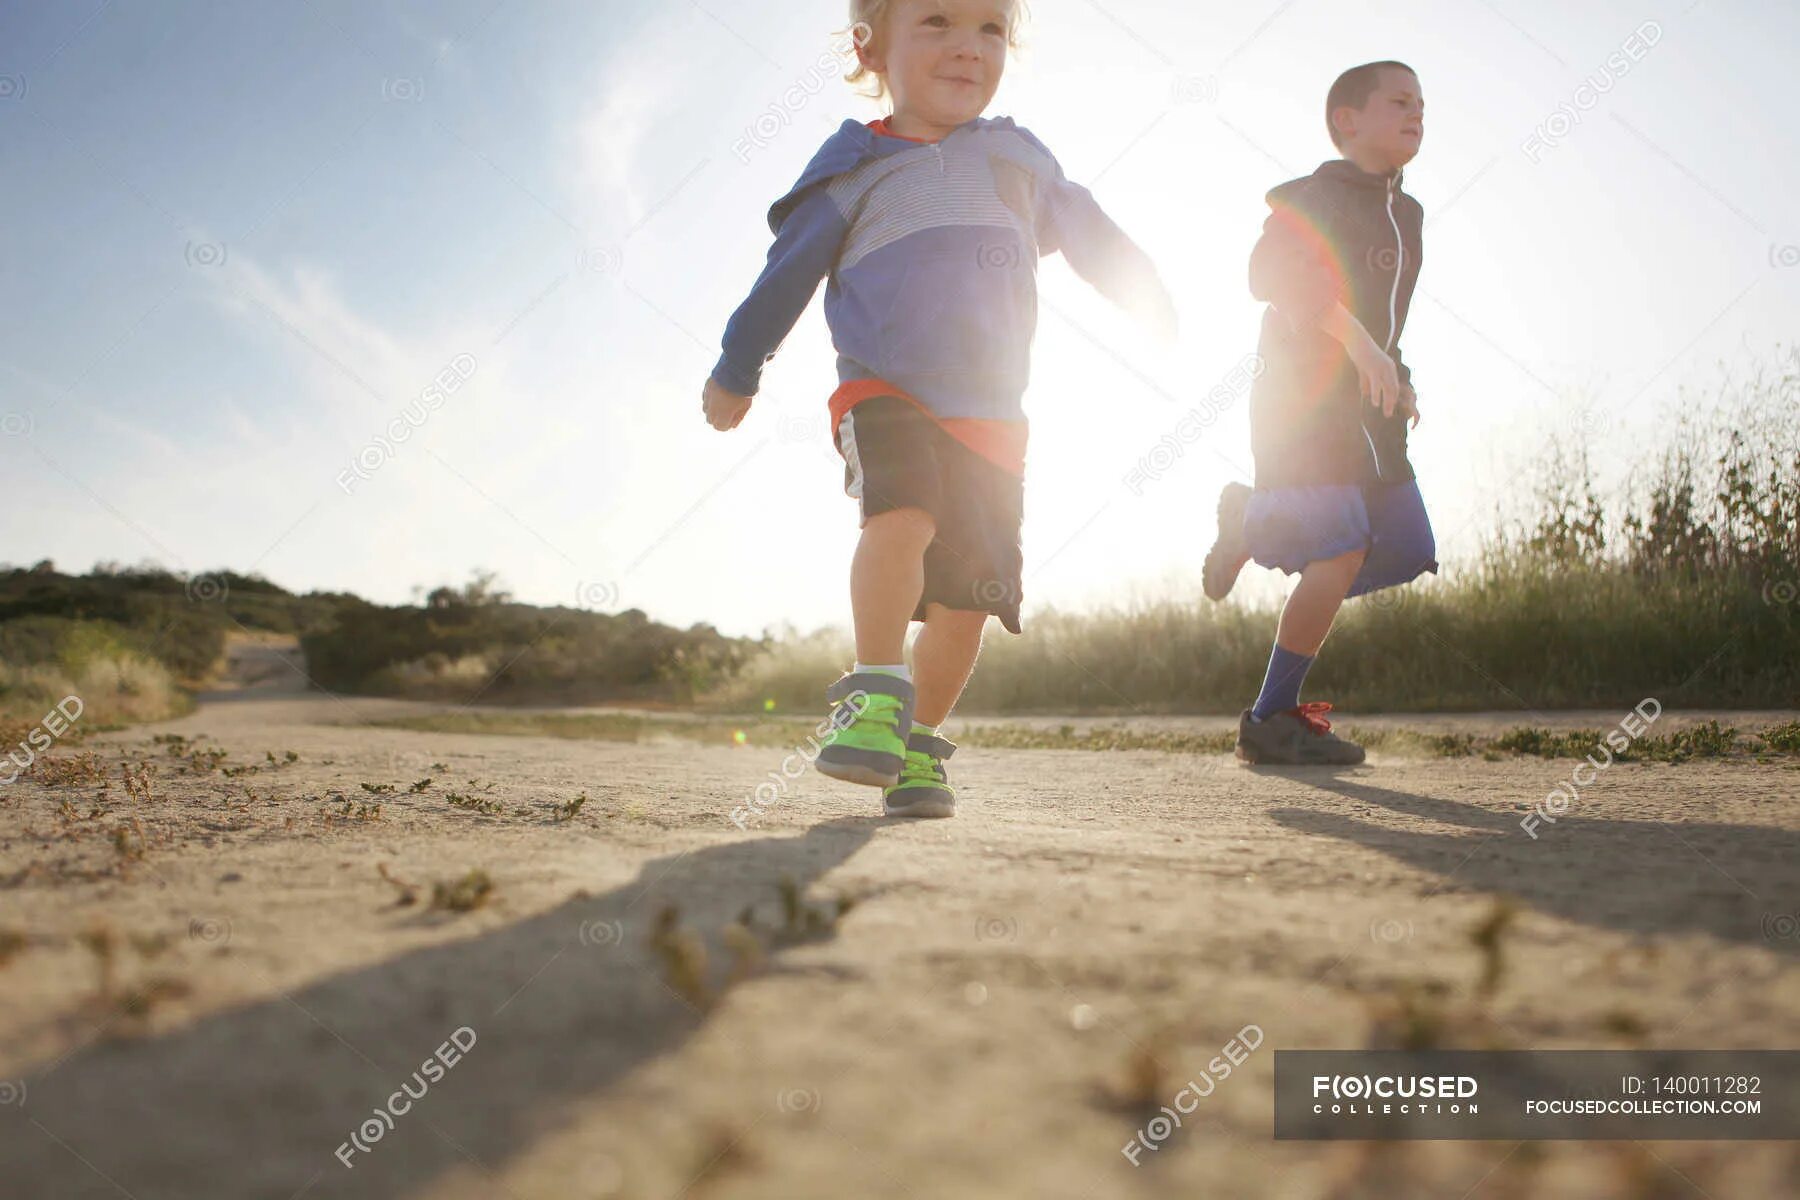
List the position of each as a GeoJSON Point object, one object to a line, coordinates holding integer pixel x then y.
{"type": "Point", "coordinates": [1289, 527]}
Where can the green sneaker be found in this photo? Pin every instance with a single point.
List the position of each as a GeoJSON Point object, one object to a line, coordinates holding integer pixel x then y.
{"type": "Point", "coordinates": [924, 789]}
{"type": "Point", "coordinates": [864, 744]}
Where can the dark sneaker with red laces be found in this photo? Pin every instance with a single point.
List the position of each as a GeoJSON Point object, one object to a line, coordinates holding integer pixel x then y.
{"type": "Point", "coordinates": [1299, 737]}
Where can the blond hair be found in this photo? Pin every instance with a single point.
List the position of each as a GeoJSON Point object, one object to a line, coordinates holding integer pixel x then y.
{"type": "Point", "coordinates": [867, 17]}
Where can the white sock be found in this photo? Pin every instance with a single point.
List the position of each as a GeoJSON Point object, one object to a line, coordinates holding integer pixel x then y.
{"type": "Point", "coordinates": [900, 669]}
{"type": "Point", "coordinates": [922, 727]}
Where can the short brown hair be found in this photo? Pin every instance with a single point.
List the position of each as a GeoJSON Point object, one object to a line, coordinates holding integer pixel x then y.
{"type": "Point", "coordinates": [1353, 89]}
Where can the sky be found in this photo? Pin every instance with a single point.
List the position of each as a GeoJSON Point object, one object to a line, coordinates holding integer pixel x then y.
{"type": "Point", "coordinates": [239, 240]}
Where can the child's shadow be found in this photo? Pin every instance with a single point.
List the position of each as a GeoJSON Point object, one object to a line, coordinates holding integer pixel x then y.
{"type": "Point", "coordinates": [1737, 883]}
{"type": "Point", "coordinates": [256, 1101]}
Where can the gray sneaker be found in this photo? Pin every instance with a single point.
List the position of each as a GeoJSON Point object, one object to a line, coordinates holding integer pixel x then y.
{"type": "Point", "coordinates": [1231, 551]}
{"type": "Point", "coordinates": [924, 789]}
{"type": "Point", "coordinates": [1299, 737]}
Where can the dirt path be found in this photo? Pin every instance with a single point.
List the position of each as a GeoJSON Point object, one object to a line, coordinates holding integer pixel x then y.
{"type": "Point", "coordinates": [219, 1016]}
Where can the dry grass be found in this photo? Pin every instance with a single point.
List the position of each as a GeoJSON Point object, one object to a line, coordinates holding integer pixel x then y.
{"type": "Point", "coordinates": [116, 689]}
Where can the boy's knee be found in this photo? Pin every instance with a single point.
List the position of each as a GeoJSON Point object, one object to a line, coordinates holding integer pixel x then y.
{"type": "Point", "coordinates": [964, 624]}
{"type": "Point", "coordinates": [913, 523]}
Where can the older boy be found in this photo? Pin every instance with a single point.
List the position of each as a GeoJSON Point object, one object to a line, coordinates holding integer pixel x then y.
{"type": "Point", "coordinates": [1335, 499]}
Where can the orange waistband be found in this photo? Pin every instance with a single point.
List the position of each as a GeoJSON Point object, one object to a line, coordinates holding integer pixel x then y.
{"type": "Point", "coordinates": [1000, 442]}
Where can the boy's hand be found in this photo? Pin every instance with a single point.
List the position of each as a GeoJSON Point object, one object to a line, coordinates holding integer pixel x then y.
{"type": "Point", "coordinates": [1376, 372]}
{"type": "Point", "coordinates": [723, 409]}
{"type": "Point", "coordinates": [1163, 321]}
{"type": "Point", "coordinates": [1409, 404]}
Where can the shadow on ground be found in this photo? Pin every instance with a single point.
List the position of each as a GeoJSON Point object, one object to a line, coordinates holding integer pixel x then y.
{"type": "Point", "coordinates": [1737, 883]}
{"type": "Point", "coordinates": [255, 1102]}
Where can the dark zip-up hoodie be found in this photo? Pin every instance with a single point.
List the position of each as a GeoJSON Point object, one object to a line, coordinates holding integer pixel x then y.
{"type": "Point", "coordinates": [1339, 234]}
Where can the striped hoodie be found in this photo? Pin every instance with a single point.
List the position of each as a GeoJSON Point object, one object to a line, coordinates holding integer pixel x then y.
{"type": "Point", "coordinates": [930, 250]}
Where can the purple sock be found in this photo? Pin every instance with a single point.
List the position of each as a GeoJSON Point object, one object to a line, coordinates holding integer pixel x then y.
{"type": "Point", "coordinates": [1281, 686]}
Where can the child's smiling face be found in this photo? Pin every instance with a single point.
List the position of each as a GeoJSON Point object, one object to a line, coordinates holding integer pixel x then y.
{"type": "Point", "coordinates": [942, 60]}
{"type": "Point", "coordinates": [1390, 128]}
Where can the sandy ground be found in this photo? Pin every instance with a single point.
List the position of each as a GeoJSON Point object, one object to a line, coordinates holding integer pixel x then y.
{"type": "Point", "coordinates": [212, 1003]}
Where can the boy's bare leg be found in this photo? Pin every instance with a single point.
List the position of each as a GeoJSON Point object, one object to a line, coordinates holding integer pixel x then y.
{"type": "Point", "coordinates": [943, 659]}
{"type": "Point", "coordinates": [1307, 618]}
{"type": "Point", "coordinates": [887, 577]}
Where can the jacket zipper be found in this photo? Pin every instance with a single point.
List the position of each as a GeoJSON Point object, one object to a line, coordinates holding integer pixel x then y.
{"type": "Point", "coordinates": [1399, 268]}
{"type": "Point", "coordinates": [1393, 304]}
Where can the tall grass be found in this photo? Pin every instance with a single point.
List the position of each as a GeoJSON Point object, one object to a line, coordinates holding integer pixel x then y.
{"type": "Point", "coordinates": [44, 660]}
{"type": "Point", "coordinates": [1681, 583]}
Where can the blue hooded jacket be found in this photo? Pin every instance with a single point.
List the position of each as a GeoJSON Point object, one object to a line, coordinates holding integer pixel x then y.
{"type": "Point", "coordinates": [931, 251]}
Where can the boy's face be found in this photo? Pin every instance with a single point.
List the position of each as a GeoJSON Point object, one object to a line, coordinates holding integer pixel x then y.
{"type": "Point", "coordinates": [1391, 126]}
{"type": "Point", "coordinates": [942, 59]}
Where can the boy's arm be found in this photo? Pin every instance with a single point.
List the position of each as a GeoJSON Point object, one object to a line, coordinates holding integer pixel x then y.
{"type": "Point", "coordinates": [1404, 370]}
{"type": "Point", "coordinates": [804, 251]}
{"type": "Point", "coordinates": [1409, 398]}
{"type": "Point", "coordinates": [1288, 272]}
{"type": "Point", "coordinates": [1072, 221]}
{"type": "Point", "coordinates": [1378, 375]}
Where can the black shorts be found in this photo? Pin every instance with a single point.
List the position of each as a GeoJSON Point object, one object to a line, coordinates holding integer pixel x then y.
{"type": "Point", "coordinates": [896, 456]}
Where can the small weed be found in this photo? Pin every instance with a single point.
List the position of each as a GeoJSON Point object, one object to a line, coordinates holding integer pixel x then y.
{"type": "Point", "coordinates": [1782, 738]}
{"type": "Point", "coordinates": [1622, 1023]}
{"type": "Point", "coordinates": [462, 895]}
{"type": "Point", "coordinates": [419, 786]}
{"type": "Point", "coordinates": [138, 1001]}
{"type": "Point", "coordinates": [140, 782]}
{"type": "Point", "coordinates": [567, 811]}
{"type": "Point", "coordinates": [76, 771]}
{"type": "Point", "coordinates": [1545, 743]}
{"type": "Point", "coordinates": [1144, 1082]}
{"type": "Point", "coordinates": [379, 789]}
{"type": "Point", "coordinates": [748, 954]}
{"type": "Point", "coordinates": [100, 941]}
{"type": "Point", "coordinates": [352, 810]}
{"type": "Point", "coordinates": [1413, 1018]}
{"type": "Point", "coordinates": [408, 893]}
{"type": "Point", "coordinates": [128, 841]}
{"type": "Point", "coordinates": [1453, 745]}
{"type": "Point", "coordinates": [683, 958]}
{"type": "Point", "coordinates": [149, 945]}
{"type": "Point", "coordinates": [473, 804]}
{"type": "Point", "coordinates": [800, 920]}
{"type": "Point", "coordinates": [722, 1153]}
{"type": "Point", "coordinates": [1489, 936]}
{"type": "Point", "coordinates": [196, 760]}
{"type": "Point", "coordinates": [1706, 740]}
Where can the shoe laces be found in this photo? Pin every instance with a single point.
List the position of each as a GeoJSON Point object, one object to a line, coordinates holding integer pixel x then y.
{"type": "Point", "coordinates": [920, 765]}
{"type": "Point", "coordinates": [1313, 717]}
{"type": "Point", "coordinates": [877, 707]}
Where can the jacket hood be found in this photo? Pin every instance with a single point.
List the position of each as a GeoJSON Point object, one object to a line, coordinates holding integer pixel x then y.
{"type": "Point", "coordinates": [1338, 172]}
{"type": "Point", "coordinates": [1342, 170]}
{"type": "Point", "coordinates": [849, 148]}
